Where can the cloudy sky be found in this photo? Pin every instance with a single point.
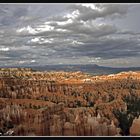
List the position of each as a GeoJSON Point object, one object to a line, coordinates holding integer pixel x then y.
{"type": "Point", "coordinates": [41, 34]}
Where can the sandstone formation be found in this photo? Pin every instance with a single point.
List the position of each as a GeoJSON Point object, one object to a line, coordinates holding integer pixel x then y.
{"type": "Point", "coordinates": [67, 103]}
{"type": "Point", "coordinates": [135, 128]}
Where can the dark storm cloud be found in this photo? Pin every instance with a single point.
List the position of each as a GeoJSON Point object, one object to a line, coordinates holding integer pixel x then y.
{"type": "Point", "coordinates": [10, 15]}
{"type": "Point", "coordinates": [112, 49]}
{"type": "Point", "coordinates": [23, 14]}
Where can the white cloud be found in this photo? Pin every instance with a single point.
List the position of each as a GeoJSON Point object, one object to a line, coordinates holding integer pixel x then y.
{"type": "Point", "coordinates": [21, 62]}
{"type": "Point", "coordinates": [41, 40]}
{"type": "Point", "coordinates": [27, 29]}
{"type": "Point", "coordinates": [35, 39]}
{"type": "Point", "coordinates": [44, 27]}
{"type": "Point", "coordinates": [75, 42]}
{"type": "Point", "coordinates": [61, 30]}
{"type": "Point", "coordinates": [30, 30]}
{"type": "Point", "coordinates": [61, 23]}
{"type": "Point", "coordinates": [33, 61]}
{"type": "Point", "coordinates": [72, 15]}
{"type": "Point", "coordinates": [4, 49]}
{"type": "Point", "coordinates": [94, 11]}
{"type": "Point", "coordinates": [94, 59]}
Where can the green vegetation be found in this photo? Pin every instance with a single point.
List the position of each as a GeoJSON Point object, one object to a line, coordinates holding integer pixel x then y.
{"type": "Point", "coordinates": [126, 117]}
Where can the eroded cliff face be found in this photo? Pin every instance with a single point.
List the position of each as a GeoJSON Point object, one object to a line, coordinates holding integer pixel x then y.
{"type": "Point", "coordinates": [67, 103]}
{"type": "Point", "coordinates": [135, 128]}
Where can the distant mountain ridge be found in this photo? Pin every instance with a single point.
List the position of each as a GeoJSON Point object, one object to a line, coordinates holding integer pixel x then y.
{"type": "Point", "coordinates": [91, 69]}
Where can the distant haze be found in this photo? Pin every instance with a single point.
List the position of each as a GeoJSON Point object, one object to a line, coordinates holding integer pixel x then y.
{"type": "Point", "coordinates": [42, 34]}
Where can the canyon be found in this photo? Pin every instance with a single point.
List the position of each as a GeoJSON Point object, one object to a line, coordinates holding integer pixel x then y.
{"type": "Point", "coordinates": [36, 103]}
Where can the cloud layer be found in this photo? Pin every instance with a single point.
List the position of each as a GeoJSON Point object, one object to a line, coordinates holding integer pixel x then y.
{"type": "Point", "coordinates": [67, 34]}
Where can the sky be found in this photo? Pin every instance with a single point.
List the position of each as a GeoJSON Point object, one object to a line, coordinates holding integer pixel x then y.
{"type": "Point", "coordinates": [70, 33]}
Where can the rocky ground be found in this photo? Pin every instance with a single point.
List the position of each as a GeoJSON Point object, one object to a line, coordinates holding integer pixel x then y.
{"type": "Point", "coordinates": [68, 103]}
